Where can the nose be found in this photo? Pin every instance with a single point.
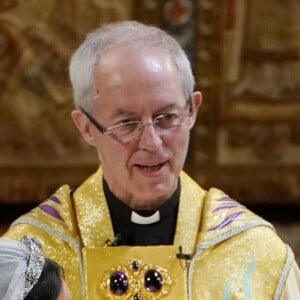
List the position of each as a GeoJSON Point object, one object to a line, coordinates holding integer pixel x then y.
{"type": "Point", "coordinates": [149, 139]}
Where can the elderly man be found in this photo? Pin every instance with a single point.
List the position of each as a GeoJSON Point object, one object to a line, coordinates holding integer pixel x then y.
{"type": "Point", "coordinates": [140, 228]}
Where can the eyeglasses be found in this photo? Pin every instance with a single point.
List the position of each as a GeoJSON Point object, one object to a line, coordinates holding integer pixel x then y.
{"type": "Point", "coordinates": [129, 131]}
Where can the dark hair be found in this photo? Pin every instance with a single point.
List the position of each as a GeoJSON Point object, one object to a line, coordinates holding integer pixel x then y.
{"type": "Point", "coordinates": [49, 284]}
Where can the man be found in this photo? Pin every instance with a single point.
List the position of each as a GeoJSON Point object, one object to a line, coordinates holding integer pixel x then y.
{"type": "Point", "coordinates": [140, 228]}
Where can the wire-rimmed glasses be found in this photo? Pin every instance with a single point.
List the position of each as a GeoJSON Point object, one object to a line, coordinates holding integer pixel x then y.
{"type": "Point", "coordinates": [128, 131]}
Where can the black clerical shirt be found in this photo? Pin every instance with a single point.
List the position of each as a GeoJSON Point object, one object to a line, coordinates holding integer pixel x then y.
{"type": "Point", "coordinates": [129, 233]}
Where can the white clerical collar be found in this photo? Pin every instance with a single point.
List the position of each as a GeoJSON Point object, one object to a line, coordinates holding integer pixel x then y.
{"type": "Point", "coordinates": [138, 219]}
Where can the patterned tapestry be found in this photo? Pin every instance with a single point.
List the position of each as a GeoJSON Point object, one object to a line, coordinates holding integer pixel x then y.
{"type": "Point", "coordinates": [245, 56]}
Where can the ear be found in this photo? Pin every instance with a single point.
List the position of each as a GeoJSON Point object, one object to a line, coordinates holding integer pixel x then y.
{"type": "Point", "coordinates": [196, 103]}
{"type": "Point", "coordinates": [84, 126]}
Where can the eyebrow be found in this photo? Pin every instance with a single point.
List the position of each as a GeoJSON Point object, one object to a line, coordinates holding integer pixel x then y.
{"type": "Point", "coordinates": [124, 112]}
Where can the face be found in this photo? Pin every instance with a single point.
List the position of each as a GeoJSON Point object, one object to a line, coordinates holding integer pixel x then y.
{"type": "Point", "coordinates": [64, 292]}
{"type": "Point", "coordinates": [139, 84]}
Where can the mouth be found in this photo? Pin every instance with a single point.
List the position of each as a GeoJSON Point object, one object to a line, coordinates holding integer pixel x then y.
{"type": "Point", "coordinates": [150, 167]}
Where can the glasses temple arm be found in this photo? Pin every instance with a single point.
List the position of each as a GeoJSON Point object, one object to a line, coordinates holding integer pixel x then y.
{"type": "Point", "coordinates": [93, 121]}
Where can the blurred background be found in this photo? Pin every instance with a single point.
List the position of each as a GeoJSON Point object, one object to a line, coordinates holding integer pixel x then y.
{"type": "Point", "coordinates": [246, 59]}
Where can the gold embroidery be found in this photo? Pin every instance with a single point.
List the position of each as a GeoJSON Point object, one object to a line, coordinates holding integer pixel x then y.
{"type": "Point", "coordinates": [136, 281]}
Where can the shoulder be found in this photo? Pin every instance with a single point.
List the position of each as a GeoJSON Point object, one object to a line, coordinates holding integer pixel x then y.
{"type": "Point", "coordinates": [224, 215]}
{"type": "Point", "coordinates": [230, 234]}
{"type": "Point", "coordinates": [55, 213]}
{"type": "Point", "coordinates": [228, 224]}
{"type": "Point", "coordinates": [54, 216]}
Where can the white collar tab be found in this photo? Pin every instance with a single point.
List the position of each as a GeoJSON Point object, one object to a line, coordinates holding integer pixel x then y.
{"type": "Point", "coordinates": [138, 219]}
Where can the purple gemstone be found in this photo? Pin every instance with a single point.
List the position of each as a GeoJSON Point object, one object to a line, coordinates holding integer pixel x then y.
{"type": "Point", "coordinates": [137, 297]}
{"type": "Point", "coordinates": [118, 283]}
{"type": "Point", "coordinates": [135, 265]}
{"type": "Point", "coordinates": [153, 281]}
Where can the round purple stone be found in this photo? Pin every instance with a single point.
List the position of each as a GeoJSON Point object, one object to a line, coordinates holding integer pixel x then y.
{"type": "Point", "coordinates": [153, 281]}
{"type": "Point", "coordinates": [118, 283]}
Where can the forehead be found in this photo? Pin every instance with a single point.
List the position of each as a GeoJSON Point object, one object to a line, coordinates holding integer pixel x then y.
{"type": "Point", "coordinates": [64, 292]}
{"type": "Point", "coordinates": [119, 64]}
{"type": "Point", "coordinates": [137, 73]}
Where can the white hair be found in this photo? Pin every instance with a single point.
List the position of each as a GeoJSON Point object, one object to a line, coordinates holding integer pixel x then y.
{"type": "Point", "coordinates": [114, 35]}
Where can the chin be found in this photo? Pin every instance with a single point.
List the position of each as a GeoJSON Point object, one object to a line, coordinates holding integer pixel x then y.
{"type": "Point", "coordinates": [152, 198]}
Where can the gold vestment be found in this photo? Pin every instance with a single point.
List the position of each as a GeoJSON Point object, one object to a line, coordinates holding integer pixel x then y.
{"type": "Point", "coordinates": [225, 251]}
